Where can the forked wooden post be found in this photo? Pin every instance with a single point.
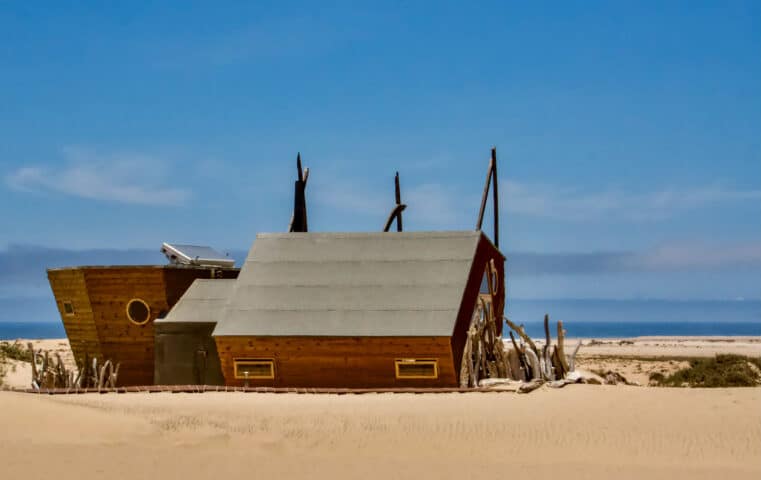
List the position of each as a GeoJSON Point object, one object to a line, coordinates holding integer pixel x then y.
{"type": "Point", "coordinates": [299, 216]}
{"type": "Point", "coordinates": [495, 196]}
{"type": "Point", "coordinates": [396, 212]}
{"type": "Point", "coordinates": [398, 192]}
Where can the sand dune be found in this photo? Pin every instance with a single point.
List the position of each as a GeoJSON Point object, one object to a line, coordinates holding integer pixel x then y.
{"type": "Point", "coordinates": [581, 431]}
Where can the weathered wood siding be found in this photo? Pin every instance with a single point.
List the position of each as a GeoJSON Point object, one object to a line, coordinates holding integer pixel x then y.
{"type": "Point", "coordinates": [350, 362]}
{"type": "Point", "coordinates": [100, 326]}
{"type": "Point", "coordinates": [110, 289]}
{"type": "Point", "coordinates": [69, 285]}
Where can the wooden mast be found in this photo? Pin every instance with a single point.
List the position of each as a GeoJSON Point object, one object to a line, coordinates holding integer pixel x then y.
{"type": "Point", "coordinates": [491, 178]}
{"type": "Point", "coordinates": [299, 217]}
{"type": "Point", "coordinates": [396, 212]}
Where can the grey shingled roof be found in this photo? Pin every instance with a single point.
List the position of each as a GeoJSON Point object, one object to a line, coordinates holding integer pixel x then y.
{"type": "Point", "coordinates": [350, 284]}
{"type": "Point", "coordinates": [204, 301]}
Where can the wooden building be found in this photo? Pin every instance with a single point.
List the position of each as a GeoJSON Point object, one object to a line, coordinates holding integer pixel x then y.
{"type": "Point", "coordinates": [185, 350]}
{"type": "Point", "coordinates": [108, 311]}
{"type": "Point", "coordinates": [356, 310]}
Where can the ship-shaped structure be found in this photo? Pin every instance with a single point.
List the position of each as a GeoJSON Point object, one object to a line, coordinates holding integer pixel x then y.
{"type": "Point", "coordinates": [108, 312]}
{"type": "Point", "coordinates": [325, 310]}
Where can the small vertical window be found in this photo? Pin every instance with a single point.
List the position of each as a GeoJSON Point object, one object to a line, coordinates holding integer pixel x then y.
{"type": "Point", "coordinates": [246, 368]}
{"type": "Point", "coordinates": [68, 308]}
{"type": "Point", "coordinates": [417, 369]}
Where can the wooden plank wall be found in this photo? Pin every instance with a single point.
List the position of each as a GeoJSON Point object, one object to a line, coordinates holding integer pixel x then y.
{"type": "Point", "coordinates": [100, 325]}
{"type": "Point", "coordinates": [122, 341]}
{"type": "Point", "coordinates": [69, 285]}
{"type": "Point", "coordinates": [178, 280]}
{"type": "Point", "coordinates": [348, 362]}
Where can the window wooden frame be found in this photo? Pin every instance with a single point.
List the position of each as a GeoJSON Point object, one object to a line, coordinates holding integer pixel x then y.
{"type": "Point", "coordinates": [254, 361]}
{"type": "Point", "coordinates": [68, 308]}
{"type": "Point", "coordinates": [401, 362]}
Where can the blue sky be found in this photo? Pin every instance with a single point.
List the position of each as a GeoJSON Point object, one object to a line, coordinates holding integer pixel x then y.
{"type": "Point", "coordinates": [628, 133]}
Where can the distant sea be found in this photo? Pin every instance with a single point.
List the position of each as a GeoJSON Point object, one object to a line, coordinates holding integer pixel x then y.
{"type": "Point", "coordinates": [634, 318]}
{"type": "Point", "coordinates": [31, 330]}
{"type": "Point", "coordinates": [581, 318]}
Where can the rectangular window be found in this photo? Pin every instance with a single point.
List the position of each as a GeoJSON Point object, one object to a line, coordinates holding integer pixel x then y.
{"type": "Point", "coordinates": [68, 308]}
{"type": "Point", "coordinates": [246, 368]}
{"type": "Point", "coordinates": [415, 368]}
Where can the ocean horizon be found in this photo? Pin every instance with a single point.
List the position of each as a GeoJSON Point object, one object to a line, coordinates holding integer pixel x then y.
{"type": "Point", "coordinates": [581, 318]}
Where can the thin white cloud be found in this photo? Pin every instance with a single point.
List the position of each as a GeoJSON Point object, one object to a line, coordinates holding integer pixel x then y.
{"type": "Point", "coordinates": [351, 198]}
{"type": "Point", "coordinates": [572, 204]}
{"type": "Point", "coordinates": [428, 206]}
{"type": "Point", "coordinates": [265, 40]}
{"type": "Point", "coordinates": [433, 204]}
{"type": "Point", "coordinates": [437, 205]}
{"type": "Point", "coordinates": [123, 178]}
{"type": "Point", "coordinates": [671, 257]}
{"type": "Point", "coordinates": [700, 256]}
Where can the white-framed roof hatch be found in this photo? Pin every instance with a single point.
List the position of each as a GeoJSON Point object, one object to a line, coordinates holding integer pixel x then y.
{"type": "Point", "coordinates": [195, 255]}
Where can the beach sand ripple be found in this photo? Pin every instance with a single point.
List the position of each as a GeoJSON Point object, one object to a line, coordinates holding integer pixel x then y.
{"type": "Point", "coordinates": [581, 431]}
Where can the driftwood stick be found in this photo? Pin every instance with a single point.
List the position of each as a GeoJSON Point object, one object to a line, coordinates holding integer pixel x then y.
{"type": "Point", "coordinates": [530, 386]}
{"type": "Point", "coordinates": [561, 350]}
{"type": "Point", "coordinates": [521, 360]}
{"type": "Point", "coordinates": [61, 376]}
{"type": "Point", "coordinates": [35, 375]}
{"type": "Point", "coordinates": [84, 380]}
{"type": "Point", "coordinates": [572, 366]}
{"type": "Point", "coordinates": [102, 374]}
{"type": "Point", "coordinates": [535, 366]}
{"type": "Point", "coordinates": [546, 353]}
{"type": "Point", "coordinates": [94, 376]}
{"type": "Point", "coordinates": [559, 369]}
{"type": "Point", "coordinates": [560, 383]}
{"type": "Point", "coordinates": [465, 365]}
{"type": "Point", "coordinates": [522, 333]}
{"type": "Point", "coordinates": [114, 376]}
{"type": "Point", "coordinates": [46, 380]}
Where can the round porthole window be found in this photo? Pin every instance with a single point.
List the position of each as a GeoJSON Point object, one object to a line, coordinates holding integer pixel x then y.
{"type": "Point", "coordinates": [138, 311]}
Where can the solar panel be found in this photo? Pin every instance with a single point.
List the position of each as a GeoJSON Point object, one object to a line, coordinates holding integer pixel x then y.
{"type": "Point", "coordinates": [178, 254]}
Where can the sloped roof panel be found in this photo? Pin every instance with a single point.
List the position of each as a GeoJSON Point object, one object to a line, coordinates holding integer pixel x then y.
{"type": "Point", "coordinates": [351, 284]}
{"type": "Point", "coordinates": [204, 302]}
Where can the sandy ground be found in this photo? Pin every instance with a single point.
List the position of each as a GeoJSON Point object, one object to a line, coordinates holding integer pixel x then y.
{"type": "Point", "coordinates": [669, 346]}
{"type": "Point", "coordinates": [636, 358]}
{"type": "Point", "coordinates": [581, 431]}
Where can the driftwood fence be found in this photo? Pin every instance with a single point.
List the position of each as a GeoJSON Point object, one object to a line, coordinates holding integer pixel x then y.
{"type": "Point", "coordinates": [486, 361]}
{"type": "Point", "coordinates": [50, 372]}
